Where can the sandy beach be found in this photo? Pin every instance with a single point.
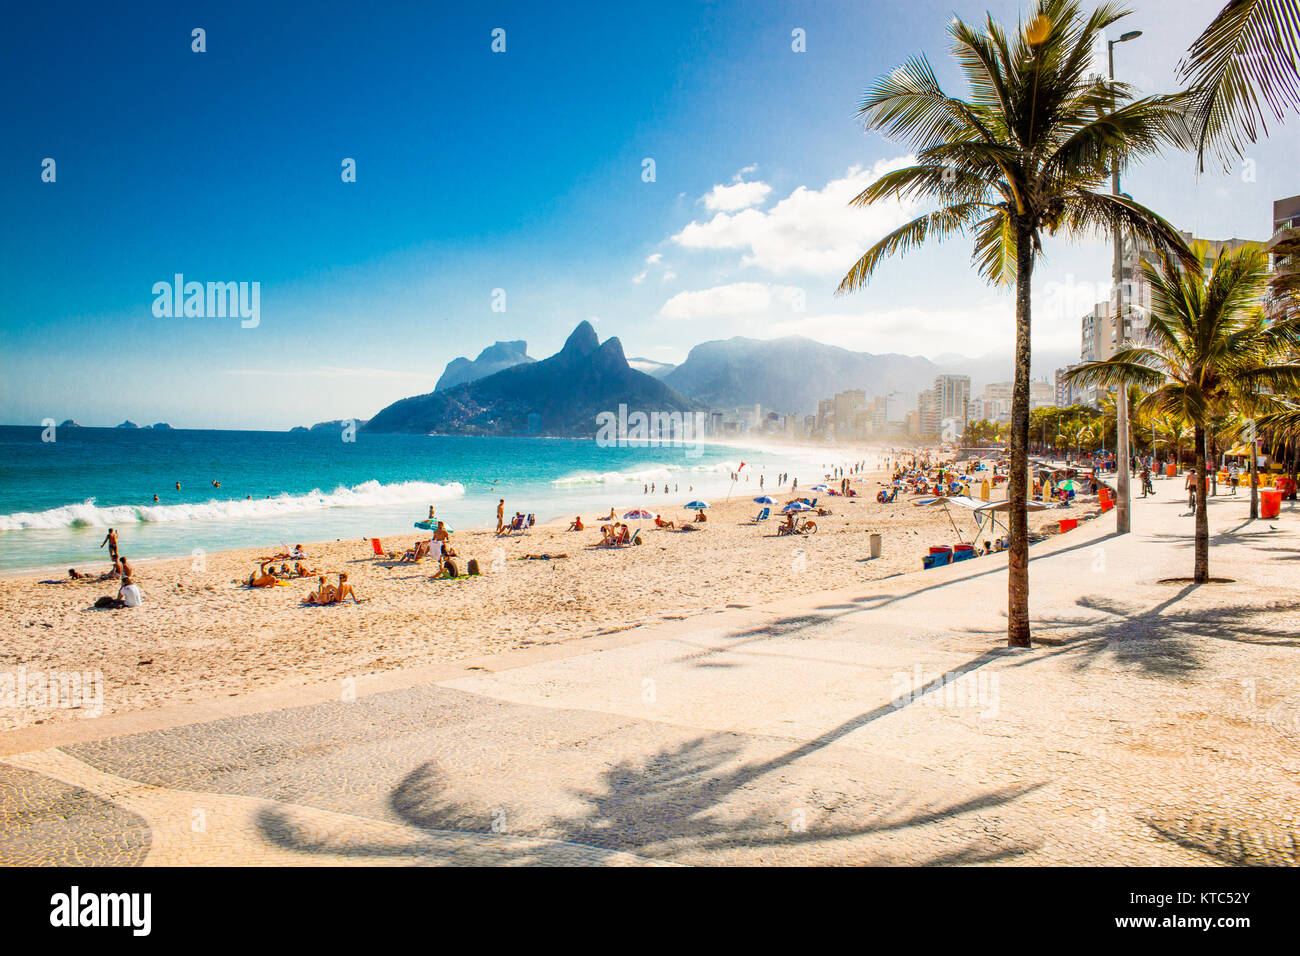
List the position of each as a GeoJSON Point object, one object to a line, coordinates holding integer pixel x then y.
{"type": "Point", "coordinates": [203, 634]}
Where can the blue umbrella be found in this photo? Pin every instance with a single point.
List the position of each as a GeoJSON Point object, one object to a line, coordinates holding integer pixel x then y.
{"type": "Point", "coordinates": [765, 500]}
{"type": "Point", "coordinates": [697, 505]}
{"type": "Point", "coordinates": [795, 506]}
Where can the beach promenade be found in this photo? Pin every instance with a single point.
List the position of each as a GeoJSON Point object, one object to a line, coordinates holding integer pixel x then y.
{"type": "Point", "coordinates": [1151, 723]}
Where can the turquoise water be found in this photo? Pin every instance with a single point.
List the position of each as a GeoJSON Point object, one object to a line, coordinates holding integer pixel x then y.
{"type": "Point", "coordinates": [57, 498]}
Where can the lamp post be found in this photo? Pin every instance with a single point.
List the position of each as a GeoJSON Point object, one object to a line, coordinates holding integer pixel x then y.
{"type": "Point", "coordinates": [1122, 504]}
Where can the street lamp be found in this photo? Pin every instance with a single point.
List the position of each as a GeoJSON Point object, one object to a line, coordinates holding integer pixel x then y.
{"type": "Point", "coordinates": [1122, 505]}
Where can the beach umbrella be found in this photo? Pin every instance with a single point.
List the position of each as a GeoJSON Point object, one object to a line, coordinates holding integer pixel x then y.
{"type": "Point", "coordinates": [796, 506]}
{"type": "Point", "coordinates": [697, 505]}
{"type": "Point", "coordinates": [1067, 484]}
{"type": "Point", "coordinates": [433, 525]}
{"type": "Point", "coordinates": [639, 514]}
{"type": "Point", "coordinates": [765, 500]}
{"type": "Point", "coordinates": [821, 488]}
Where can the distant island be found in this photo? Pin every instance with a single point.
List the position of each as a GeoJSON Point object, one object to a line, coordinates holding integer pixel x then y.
{"type": "Point", "coordinates": [127, 424]}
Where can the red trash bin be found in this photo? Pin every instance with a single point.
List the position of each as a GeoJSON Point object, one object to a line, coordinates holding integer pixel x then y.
{"type": "Point", "coordinates": [1270, 502]}
{"type": "Point", "coordinates": [1171, 470]}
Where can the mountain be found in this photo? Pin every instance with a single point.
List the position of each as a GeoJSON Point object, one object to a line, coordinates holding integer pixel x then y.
{"type": "Point", "coordinates": [651, 367]}
{"type": "Point", "coordinates": [337, 425]}
{"type": "Point", "coordinates": [495, 358]}
{"type": "Point", "coordinates": [557, 396]}
{"type": "Point", "coordinates": [792, 374]}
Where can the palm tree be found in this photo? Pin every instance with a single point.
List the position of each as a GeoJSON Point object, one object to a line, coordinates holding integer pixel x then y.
{"type": "Point", "coordinates": [1208, 343]}
{"type": "Point", "coordinates": [1249, 52]}
{"type": "Point", "coordinates": [1029, 152]}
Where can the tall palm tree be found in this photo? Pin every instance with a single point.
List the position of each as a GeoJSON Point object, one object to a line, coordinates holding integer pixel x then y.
{"type": "Point", "coordinates": [1207, 343]}
{"type": "Point", "coordinates": [1245, 65]}
{"type": "Point", "coordinates": [1028, 152]}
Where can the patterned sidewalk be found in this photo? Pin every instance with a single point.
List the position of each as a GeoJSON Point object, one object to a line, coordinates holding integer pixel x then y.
{"type": "Point", "coordinates": [1153, 723]}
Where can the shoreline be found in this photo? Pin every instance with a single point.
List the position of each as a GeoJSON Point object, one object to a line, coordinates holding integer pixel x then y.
{"type": "Point", "coordinates": [201, 634]}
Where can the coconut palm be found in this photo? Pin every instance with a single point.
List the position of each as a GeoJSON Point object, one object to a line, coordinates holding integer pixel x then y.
{"type": "Point", "coordinates": [1027, 153]}
{"type": "Point", "coordinates": [1207, 346]}
{"type": "Point", "coordinates": [1245, 65]}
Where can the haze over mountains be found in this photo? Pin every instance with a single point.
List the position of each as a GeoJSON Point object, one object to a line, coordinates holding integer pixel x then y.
{"type": "Point", "coordinates": [558, 396]}
{"type": "Point", "coordinates": [504, 391]}
{"type": "Point", "coordinates": [495, 358]}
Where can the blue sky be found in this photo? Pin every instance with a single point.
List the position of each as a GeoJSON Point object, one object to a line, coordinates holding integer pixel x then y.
{"type": "Point", "coordinates": [478, 171]}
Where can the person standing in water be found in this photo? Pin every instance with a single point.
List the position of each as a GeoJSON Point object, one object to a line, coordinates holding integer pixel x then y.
{"type": "Point", "coordinates": [110, 539]}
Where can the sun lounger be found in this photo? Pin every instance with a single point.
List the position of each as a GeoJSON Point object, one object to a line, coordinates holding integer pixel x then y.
{"type": "Point", "coordinates": [763, 515]}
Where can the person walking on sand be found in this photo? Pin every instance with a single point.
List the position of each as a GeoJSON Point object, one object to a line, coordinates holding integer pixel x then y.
{"type": "Point", "coordinates": [501, 513]}
{"type": "Point", "coordinates": [110, 539]}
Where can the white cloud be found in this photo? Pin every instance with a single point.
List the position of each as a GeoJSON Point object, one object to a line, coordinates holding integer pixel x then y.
{"type": "Point", "coordinates": [736, 299]}
{"type": "Point", "coordinates": [669, 274]}
{"type": "Point", "coordinates": [639, 278]}
{"type": "Point", "coordinates": [737, 196]}
{"type": "Point", "coordinates": [653, 258]}
{"type": "Point", "coordinates": [811, 230]}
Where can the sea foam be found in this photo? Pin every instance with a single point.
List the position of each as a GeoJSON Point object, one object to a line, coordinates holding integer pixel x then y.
{"type": "Point", "coordinates": [368, 493]}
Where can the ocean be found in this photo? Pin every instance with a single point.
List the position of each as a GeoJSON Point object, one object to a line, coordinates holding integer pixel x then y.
{"type": "Point", "coordinates": [58, 498]}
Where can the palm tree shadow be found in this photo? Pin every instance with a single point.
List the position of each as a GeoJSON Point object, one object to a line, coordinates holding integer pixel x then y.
{"type": "Point", "coordinates": [1163, 640]}
{"type": "Point", "coordinates": [698, 797]}
{"type": "Point", "coordinates": [680, 803]}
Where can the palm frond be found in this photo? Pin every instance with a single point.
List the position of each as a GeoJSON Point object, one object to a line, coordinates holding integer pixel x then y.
{"type": "Point", "coordinates": [1244, 65]}
{"type": "Point", "coordinates": [942, 223]}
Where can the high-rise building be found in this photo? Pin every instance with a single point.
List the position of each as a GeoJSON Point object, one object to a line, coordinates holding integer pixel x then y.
{"type": "Point", "coordinates": [846, 407]}
{"type": "Point", "coordinates": [952, 393]}
{"type": "Point", "coordinates": [1284, 250]}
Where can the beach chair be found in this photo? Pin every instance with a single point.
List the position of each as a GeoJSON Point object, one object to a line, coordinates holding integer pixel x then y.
{"type": "Point", "coordinates": [379, 548]}
{"type": "Point", "coordinates": [763, 515]}
{"type": "Point", "coordinates": [516, 524]}
{"type": "Point", "coordinates": [529, 522]}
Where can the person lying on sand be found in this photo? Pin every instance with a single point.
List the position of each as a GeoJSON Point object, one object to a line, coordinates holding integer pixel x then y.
{"type": "Point", "coordinates": [262, 578]}
{"type": "Point", "coordinates": [543, 557]}
{"type": "Point", "coordinates": [300, 571]}
{"type": "Point", "coordinates": [75, 575]}
{"type": "Point", "coordinates": [661, 523]}
{"type": "Point", "coordinates": [298, 553]}
{"type": "Point", "coordinates": [576, 524]}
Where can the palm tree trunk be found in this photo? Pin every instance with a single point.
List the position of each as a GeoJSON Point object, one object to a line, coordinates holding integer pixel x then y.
{"type": "Point", "coordinates": [1254, 481]}
{"type": "Point", "coordinates": [1201, 572]}
{"type": "Point", "coordinates": [1017, 486]}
